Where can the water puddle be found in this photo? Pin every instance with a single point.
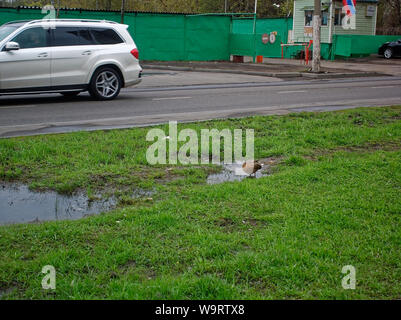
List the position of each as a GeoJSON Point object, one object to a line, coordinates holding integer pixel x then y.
{"type": "Point", "coordinates": [233, 172]}
{"type": "Point", "coordinates": [18, 204]}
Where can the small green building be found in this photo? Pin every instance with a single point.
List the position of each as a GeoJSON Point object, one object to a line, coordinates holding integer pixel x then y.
{"type": "Point", "coordinates": [332, 20]}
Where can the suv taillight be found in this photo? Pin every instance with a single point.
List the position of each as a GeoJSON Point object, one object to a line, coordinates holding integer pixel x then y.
{"type": "Point", "coordinates": [135, 53]}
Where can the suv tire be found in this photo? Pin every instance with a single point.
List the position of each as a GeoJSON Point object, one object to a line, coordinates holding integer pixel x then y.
{"type": "Point", "coordinates": [105, 84]}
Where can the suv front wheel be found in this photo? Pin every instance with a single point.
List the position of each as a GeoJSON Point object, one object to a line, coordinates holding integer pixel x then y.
{"type": "Point", "coordinates": [105, 84]}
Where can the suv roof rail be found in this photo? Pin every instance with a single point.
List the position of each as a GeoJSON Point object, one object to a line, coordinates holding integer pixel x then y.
{"type": "Point", "coordinates": [28, 22]}
{"type": "Point", "coordinates": [71, 20]}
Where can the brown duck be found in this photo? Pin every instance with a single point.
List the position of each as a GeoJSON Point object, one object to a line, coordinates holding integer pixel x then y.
{"type": "Point", "coordinates": [251, 167]}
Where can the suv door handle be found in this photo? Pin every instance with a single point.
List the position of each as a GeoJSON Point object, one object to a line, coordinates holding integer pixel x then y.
{"type": "Point", "coordinates": [43, 55]}
{"type": "Point", "coordinates": [87, 53]}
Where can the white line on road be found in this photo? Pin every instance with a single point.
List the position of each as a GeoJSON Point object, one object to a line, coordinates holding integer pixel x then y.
{"type": "Point", "coordinates": [16, 107]}
{"type": "Point", "coordinates": [171, 98]}
{"type": "Point", "coordinates": [381, 87]}
{"type": "Point", "coordinates": [297, 91]}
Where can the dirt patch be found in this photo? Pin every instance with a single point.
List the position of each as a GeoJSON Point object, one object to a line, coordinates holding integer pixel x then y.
{"type": "Point", "coordinates": [147, 271]}
{"type": "Point", "coordinates": [150, 274]}
{"type": "Point", "coordinates": [103, 178]}
{"type": "Point", "coordinates": [369, 147]}
{"type": "Point", "coordinates": [372, 147]}
{"type": "Point", "coordinates": [225, 223]}
{"type": "Point", "coordinates": [359, 119]}
{"type": "Point", "coordinates": [270, 164]}
{"type": "Point", "coordinates": [254, 222]}
{"type": "Point", "coordinates": [6, 290]}
{"type": "Point", "coordinates": [393, 118]}
{"type": "Point", "coordinates": [230, 225]}
{"type": "Point", "coordinates": [271, 161]}
{"type": "Point", "coordinates": [127, 267]}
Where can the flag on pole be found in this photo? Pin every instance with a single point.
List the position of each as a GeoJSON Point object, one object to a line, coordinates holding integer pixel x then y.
{"type": "Point", "coordinates": [349, 6]}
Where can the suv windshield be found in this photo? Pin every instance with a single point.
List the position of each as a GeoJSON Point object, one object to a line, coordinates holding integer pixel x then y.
{"type": "Point", "coordinates": [6, 31]}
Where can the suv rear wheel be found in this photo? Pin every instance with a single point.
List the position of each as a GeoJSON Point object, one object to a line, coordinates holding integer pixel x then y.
{"type": "Point", "coordinates": [105, 84]}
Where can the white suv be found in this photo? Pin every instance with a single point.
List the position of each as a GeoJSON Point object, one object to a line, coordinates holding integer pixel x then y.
{"type": "Point", "coordinates": [68, 57]}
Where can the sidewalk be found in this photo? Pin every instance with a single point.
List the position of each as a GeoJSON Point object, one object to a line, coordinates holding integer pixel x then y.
{"type": "Point", "coordinates": [227, 67]}
{"type": "Point", "coordinates": [370, 64]}
{"type": "Point", "coordinates": [286, 68]}
{"type": "Point", "coordinates": [163, 78]}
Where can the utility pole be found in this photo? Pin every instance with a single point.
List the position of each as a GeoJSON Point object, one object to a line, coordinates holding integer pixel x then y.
{"type": "Point", "coordinates": [254, 30]}
{"type": "Point", "coordinates": [317, 20]}
{"type": "Point", "coordinates": [225, 6]}
{"type": "Point", "coordinates": [254, 17]}
{"type": "Point", "coordinates": [122, 10]}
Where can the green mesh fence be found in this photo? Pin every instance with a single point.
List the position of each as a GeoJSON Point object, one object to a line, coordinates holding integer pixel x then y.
{"type": "Point", "coordinates": [168, 37]}
{"type": "Point", "coordinates": [279, 25]}
{"type": "Point", "coordinates": [9, 14]}
{"type": "Point", "coordinates": [358, 45]}
{"type": "Point", "coordinates": [244, 42]}
{"type": "Point", "coordinates": [250, 45]}
{"type": "Point", "coordinates": [158, 36]}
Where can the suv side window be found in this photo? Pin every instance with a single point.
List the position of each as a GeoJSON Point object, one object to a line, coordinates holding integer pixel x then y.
{"type": "Point", "coordinates": [71, 36]}
{"type": "Point", "coordinates": [32, 38]}
{"type": "Point", "coordinates": [105, 36]}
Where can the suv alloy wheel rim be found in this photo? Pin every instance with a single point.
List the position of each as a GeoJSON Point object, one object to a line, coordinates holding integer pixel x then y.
{"type": "Point", "coordinates": [387, 53]}
{"type": "Point", "coordinates": [107, 84]}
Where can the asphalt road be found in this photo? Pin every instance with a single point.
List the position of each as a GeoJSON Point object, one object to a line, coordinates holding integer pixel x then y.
{"type": "Point", "coordinates": [146, 105]}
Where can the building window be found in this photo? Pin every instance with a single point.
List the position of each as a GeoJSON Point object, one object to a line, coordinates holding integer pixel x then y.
{"type": "Point", "coordinates": [308, 18]}
{"type": "Point", "coordinates": [325, 17]}
{"type": "Point", "coordinates": [338, 17]}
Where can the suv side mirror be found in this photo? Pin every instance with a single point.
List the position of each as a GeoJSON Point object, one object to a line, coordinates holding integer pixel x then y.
{"type": "Point", "coordinates": [11, 46]}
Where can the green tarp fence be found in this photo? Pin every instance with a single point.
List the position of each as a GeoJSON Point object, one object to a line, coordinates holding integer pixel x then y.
{"type": "Point", "coordinates": [244, 42]}
{"type": "Point", "coordinates": [251, 44]}
{"type": "Point", "coordinates": [158, 36]}
{"type": "Point", "coordinates": [168, 37]}
{"type": "Point", "coordinates": [358, 45]}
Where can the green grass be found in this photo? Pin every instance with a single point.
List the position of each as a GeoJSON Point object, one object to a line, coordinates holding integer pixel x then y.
{"type": "Point", "coordinates": [333, 200]}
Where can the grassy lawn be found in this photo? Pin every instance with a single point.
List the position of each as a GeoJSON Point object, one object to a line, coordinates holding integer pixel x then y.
{"type": "Point", "coordinates": [332, 199]}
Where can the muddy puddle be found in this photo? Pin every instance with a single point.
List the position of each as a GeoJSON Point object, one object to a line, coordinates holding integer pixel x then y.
{"type": "Point", "coordinates": [233, 172]}
{"type": "Point", "coordinates": [18, 204]}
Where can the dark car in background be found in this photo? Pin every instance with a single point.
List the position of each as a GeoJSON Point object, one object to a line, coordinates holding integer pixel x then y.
{"type": "Point", "coordinates": [391, 49]}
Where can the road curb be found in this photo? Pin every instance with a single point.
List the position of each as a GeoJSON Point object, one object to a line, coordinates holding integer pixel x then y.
{"type": "Point", "coordinates": [252, 73]}
{"type": "Point", "coordinates": [339, 75]}
{"type": "Point", "coordinates": [266, 74]}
